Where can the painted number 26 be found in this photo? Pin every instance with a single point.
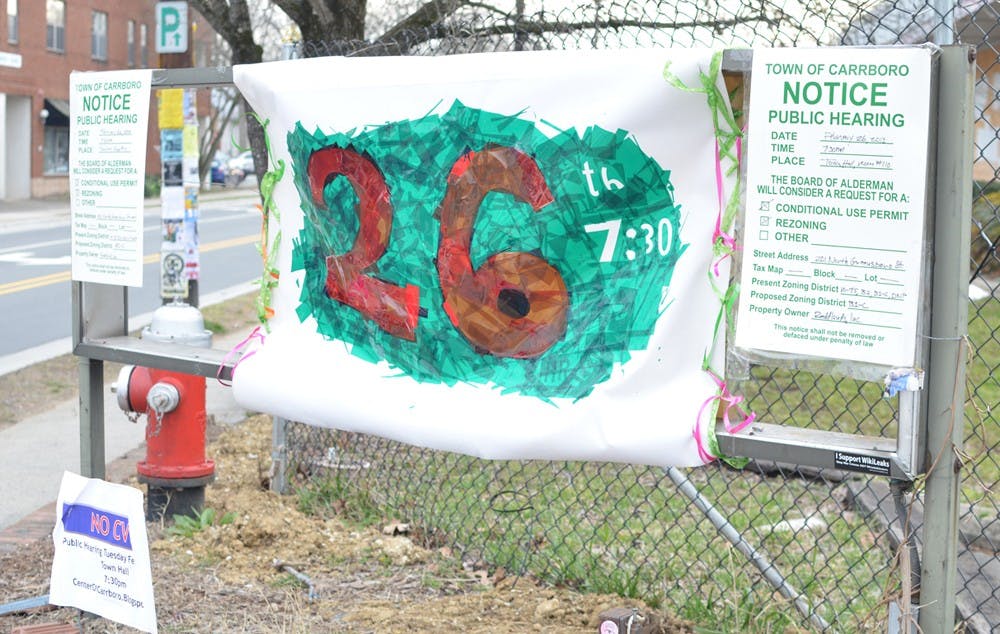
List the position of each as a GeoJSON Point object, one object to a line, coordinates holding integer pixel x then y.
{"type": "Point", "coordinates": [514, 305]}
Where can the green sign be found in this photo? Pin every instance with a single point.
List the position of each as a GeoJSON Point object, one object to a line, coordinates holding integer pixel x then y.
{"type": "Point", "coordinates": [171, 27]}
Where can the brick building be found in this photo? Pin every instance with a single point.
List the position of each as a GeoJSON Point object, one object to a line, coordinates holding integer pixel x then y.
{"type": "Point", "coordinates": [41, 43]}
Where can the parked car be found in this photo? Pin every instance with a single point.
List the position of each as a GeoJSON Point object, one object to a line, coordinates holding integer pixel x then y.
{"type": "Point", "coordinates": [238, 168]}
{"type": "Point", "coordinates": [217, 172]}
{"type": "Point", "coordinates": [243, 162]}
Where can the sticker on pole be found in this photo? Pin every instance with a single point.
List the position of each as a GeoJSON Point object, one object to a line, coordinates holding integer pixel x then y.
{"type": "Point", "coordinates": [101, 560]}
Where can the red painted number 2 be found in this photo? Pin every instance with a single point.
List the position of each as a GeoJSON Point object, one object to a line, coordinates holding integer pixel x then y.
{"type": "Point", "coordinates": [513, 305]}
{"type": "Point", "coordinates": [394, 308]}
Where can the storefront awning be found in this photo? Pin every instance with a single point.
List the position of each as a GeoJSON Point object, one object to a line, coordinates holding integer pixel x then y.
{"type": "Point", "coordinates": [58, 112]}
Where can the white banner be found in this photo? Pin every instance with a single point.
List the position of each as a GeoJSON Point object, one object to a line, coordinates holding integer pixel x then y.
{"type": "Point", "coordinates": [505, 255]}
{"type": "Point", "coordinates": [101, 560]}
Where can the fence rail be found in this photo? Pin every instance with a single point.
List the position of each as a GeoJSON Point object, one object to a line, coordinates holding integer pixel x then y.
{"type": "Point", "coordinates": [787, 546]}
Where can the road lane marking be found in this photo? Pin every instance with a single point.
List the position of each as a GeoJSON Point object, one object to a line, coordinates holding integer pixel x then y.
{"type": "Point", "coordinates": [33, 282]}
{"type": "Point", "coordinates": [153, 226]}
{"type": "Point", "coordinates": [28, 258]}
{"type": "Point", "coordinates": [35, 245]}
{"type": "Point", "coordinates": [231, 242]}
{"type": "Point", "coordinates": [64, 276]}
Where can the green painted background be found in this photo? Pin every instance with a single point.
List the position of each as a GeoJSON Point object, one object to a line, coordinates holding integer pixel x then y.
{"type": "Point", "coordinates": [613, 305]}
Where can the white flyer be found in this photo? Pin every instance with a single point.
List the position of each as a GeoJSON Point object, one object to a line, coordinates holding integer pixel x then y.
{"type": "Point", "coordinates": [837, 166]}
{"type": "Point", "coordinates": [101, 561]}
{"type": "Point", "coordinates": [109, 115]}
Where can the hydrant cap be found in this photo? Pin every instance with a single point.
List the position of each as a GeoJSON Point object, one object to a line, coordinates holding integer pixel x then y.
{"type": "Point", "coordinates": [178, 323]}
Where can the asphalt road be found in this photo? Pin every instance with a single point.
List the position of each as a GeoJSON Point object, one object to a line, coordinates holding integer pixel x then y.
{"type": "Point", "coordinates": [35, 300]}
{"type": "Point", "coordinates": [35, 289]}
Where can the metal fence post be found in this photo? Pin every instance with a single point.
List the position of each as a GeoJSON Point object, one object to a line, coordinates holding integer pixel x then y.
{"type": "Point", "coordinates": [949, 319]}
{"type": "Point", "coordinates": [279, 455]}
{"type": "Point", "coordinates": [944, 31]}
{"type": "Point", "coordinates": [91, 396]}
{"type": "Point", "coordinates": [99, 310]}
{"type": "Point", "coordinates": [753, 555]}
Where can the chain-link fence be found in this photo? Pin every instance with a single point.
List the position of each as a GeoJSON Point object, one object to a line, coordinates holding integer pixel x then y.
{"type": "Point", "coordinates": [768, 548]}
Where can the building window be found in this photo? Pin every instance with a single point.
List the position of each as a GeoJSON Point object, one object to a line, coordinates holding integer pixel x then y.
{"type": "Point", "coordinates": [131, 43]}
{"type": "Point", "coordinates": [12, 27]}
{"type": "Point", "coordinates": [99, 35]}
{"type": "Point", "coordinates": [55, 25]}
{"type": "Point", "coordinates": [143, 49]}
{"type": "Point", "coordinates": [56, 149]}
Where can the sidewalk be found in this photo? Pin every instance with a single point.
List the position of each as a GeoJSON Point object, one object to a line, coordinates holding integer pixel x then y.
{"type": "Point", "coordinates": [37, 450]}
{"type": "Point", "coordinates": [34, 452]}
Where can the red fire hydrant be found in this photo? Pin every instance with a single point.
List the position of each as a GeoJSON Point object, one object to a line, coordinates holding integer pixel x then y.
{"type": "Point", "coordinates": [175, 469]}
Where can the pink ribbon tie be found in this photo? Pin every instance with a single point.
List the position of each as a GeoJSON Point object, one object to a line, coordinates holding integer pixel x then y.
{"type": "Point", "coordinates": [254, 334]}
{"type": "Point", "coordinates": [730, 400]}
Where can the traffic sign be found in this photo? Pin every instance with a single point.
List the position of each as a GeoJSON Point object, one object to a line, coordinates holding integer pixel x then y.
{"type": "Point", "coordinates": [171, 27]}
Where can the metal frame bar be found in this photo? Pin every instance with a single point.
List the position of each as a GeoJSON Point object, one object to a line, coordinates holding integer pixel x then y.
{"type": "Point", "coordinates": [101, 317]}
{"type": "Point", "coordinates": [905, 453]}
{"type": "Point", "coordinates": [218, 76]}
{"type": "Point", "coordinates": [100, 324]}
{"type": "Point", "coordinates": [100, 321]}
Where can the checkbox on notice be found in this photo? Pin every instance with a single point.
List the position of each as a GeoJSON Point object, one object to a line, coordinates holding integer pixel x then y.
{"type": "Point", "coordinates": [765, 221]}
{"type": "Point", "coordinates": [764, 235]}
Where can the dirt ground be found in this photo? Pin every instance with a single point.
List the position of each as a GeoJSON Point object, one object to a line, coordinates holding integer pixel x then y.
{"type": "Point", "coordinates": [235, 578]}
{"type": "Point", "coordinates": [253, 574]}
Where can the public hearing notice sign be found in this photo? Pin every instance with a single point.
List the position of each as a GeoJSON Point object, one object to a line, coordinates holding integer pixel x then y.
{"type": "Point", "coordinates": [101, 560]}
{"type": "Point", "coordinates": [109, 113]}
{"type": "Point", "coordinates": [835, 203]}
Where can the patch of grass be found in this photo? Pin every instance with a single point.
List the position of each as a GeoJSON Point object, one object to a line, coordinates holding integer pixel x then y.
{"type": "Point", "coordinates": [234, 314]}
{"type": "Point", "coordinates": [215, 327]}
{"type": "Point", "coordinates": [985, 232]}
{"type": "Point", "coordinates": [625, 530]}
{"type": "Point", "coordinates": [819, 401]}
{"type": "Point", "coordinates": [335, 496]}
{"type": "Point", "coordinates": [377, 557]}
{"type": "Point", "coordinates": [55, 387]}
{"type": "Point", "coordinates": [288, 580]}
{"type": "Point", "coordinates": [742, 610]}
{"type": "Point", "coordinates": [982, 410]}
{"type": "Point", "coordinates": [151, 186]}
{"type": "Point", "coordinates": [443, 569]}
{"type": "Point", "coordinates": [189, 525]}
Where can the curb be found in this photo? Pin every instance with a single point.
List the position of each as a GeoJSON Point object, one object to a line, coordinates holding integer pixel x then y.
{"type": "Point", "coordinates": [28, 530]}
{"type": "Point", "coordinates": [39, 524]}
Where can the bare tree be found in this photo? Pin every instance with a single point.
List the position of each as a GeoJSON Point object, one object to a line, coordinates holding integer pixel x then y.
{"type": "Point", "coordinates": [225, 103]}
{"type": "Point", "coordinates": [897, 22]}
{"type": "Point", "coordinates": [345, 20]}
{"type": "Point", "coordinates": [231, 20]}
{"type": "Point", "coordinates": [468, 25]}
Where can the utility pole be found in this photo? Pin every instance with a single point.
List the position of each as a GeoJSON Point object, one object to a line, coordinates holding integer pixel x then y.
{"type": "Point", "coordinates": [178, 118]}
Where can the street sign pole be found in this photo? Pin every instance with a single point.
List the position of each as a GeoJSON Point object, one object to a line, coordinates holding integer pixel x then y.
{"type": "Point", "coordinates": [180, 206]}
